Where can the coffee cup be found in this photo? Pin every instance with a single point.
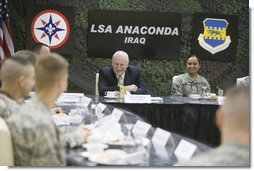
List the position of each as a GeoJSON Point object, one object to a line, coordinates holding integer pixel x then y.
{"type": "Point", "coordinates": [220, 92]}
{"type": "Point", "coordinates": [110, 93]}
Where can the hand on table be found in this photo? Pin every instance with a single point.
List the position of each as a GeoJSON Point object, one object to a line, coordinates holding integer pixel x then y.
{"type": "Point", "coordinates": [131, 88]}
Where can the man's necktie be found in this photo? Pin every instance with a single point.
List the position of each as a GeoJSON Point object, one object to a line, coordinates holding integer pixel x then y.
{"type": "Point", "coordinates": [120, 81]}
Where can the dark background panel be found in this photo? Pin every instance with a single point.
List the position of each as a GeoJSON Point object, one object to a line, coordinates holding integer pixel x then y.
{"type": "Point", "coordinates": [67, 48]}
{"type": "Point", "coordinates": [155, 47]}
{"type": "Point", "coordinates": [229, 54]}
{"type": "Point", "coordinates": [157, 73]}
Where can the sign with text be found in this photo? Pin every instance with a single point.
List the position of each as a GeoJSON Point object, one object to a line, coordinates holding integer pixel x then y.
{"type": "Point", "coordinates": [185, 151]}
{"type": "Point", "coordinates": [117, 115]}
{"type": "Point", "coordinates": [85, 101]}
{"type": "Point", "coordinates": [215, 36]}
{"type": "Point", "coordinates": [136, 98]}
{"type": "Point", "coordinates": [141, 129]}
{"type": "Point", "coordinates": [101, 107]}
{"type": "Point", "coordinates": [151, 35]}
{"type": "Point", "coordinates": [162, 138]}
{"type": "Point", "coordinates": [70, 98]}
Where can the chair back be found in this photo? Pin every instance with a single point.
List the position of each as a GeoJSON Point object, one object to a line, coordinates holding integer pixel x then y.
{"type": "Point", "coordinates": [6, 150]}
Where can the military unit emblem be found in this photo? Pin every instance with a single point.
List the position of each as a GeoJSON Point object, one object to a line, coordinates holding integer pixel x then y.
{"type": "Point", "coordinates": [214, 39]}
{"type": "Point", "coordinates": [51, 28]}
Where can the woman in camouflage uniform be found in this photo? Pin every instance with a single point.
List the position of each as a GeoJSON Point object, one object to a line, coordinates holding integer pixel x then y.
{"type": "Point", "coordinates": [190, 82]}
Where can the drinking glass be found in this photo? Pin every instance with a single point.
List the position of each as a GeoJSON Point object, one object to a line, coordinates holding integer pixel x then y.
{"type": "Point", "coordinates": [128, 135]}
{"type": "Point", "coordinates": [220, 92]}
{"type": "Point", "coordinates": [78, 107]}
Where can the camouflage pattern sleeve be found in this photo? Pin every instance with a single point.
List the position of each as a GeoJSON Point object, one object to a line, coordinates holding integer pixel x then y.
{"type": "Point", "coordinates": [7, 106]}
{"type": "Point", "coordinates": [185, 85]}
{"type": "Point", "coordinates": [36, 146]}
{"type": "Point", "coordinates": [37, 141]}
{"type": "Point", "coordinates": [176, 88]}
{"type": "Point", "coordinates": [208, 86]}
{"type": "Point", "coordinates": [4, 113]}
{"type": "Point", "coordinates": [244, 81]}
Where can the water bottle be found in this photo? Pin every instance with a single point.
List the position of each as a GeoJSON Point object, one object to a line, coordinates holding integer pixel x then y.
{"type": "Point", "coordinates": [93, 113]}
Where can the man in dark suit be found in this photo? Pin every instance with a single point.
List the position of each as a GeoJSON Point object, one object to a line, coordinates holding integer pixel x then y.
{"type": "Point", "coordinates": [120, 73]}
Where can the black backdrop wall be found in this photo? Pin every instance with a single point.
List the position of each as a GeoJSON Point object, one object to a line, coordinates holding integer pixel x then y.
{"type": "Point", "coordinates": [157, 73]}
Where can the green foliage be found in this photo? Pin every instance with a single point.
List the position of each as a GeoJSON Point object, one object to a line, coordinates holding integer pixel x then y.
{"type": "Point", "coordinates": [98, 62]}
{"type": "Point", "coordinates": [191, 5]}
{"type": "Point", "coordinates": [233, 7]}
{"type": "Point", "coordinates": [158, 73]}
{"type": "Point", "coordinates": [19, 39]}
{"type": "Point", "coordinates": [81, 19]}
{"type": "Point", "coordinates": [131, 5]}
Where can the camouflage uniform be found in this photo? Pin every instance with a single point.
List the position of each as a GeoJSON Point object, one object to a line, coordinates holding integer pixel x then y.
{"type": "Point", "coordinates": [231, 154]}
{"type": "Point", "coordinates": [7, 105]}
{"type": "Point", "coordinates": [37, 141]}
{"type": "Point", "coordinates": [185, 85]}
{"type": "Point", "coordinates": [245, 81]}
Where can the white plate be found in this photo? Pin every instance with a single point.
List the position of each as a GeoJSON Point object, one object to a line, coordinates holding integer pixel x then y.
{"type": "Point", "coordinates": [115, 142]}
{"type": "Point", "coordinates": [109, 157]}
{"type": "Point", "coordinates": [110, 97]}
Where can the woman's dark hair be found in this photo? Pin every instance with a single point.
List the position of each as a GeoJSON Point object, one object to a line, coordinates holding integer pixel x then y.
{"type": "Point", "coordinates": [194, 56]}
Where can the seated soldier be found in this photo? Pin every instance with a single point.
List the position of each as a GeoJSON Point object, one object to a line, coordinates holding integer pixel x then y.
{"type": "Point", "coordinates": [233, 121]}
{"type": "Point", "coordinates": [190, 82]}
{"type": "Point", "coordinates": [17, 75]}
{"type": "Point", "coordinates": [37, 141]}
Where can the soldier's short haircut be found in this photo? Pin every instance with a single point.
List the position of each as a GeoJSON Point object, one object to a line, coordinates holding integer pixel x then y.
{"type": "Point", "coordinates": [48, 69]}
{"type": "Point", "coordinates": [14, 67]}
{"type": "Point", "coordinates": [27, 54]}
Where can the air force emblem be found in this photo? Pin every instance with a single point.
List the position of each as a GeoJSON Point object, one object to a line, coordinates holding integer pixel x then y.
{"type": "Point", "coordinates": [214, 38]}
